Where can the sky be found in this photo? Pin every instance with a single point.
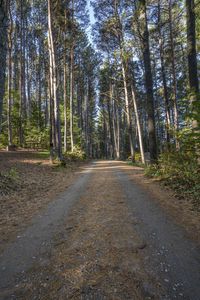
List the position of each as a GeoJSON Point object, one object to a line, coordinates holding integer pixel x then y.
{"type": "Point", "coordinates": [91, 12]}
{"type": "Point", "coordinates": [92, 21]}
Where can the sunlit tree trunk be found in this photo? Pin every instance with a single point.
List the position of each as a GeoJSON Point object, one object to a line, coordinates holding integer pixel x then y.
{"type": "Point", "coordinates": [138, 123]}
{"type": "Point", "coordinates": [175, 107]}
{"type": "Point", "coordinates": [53, 82]}
{"type": "Point", "coordinates": [115, 124]}
{"type": "Point", "coordinates": [148, 81]}
{"type": "Point", "coordinates": [9, 101]}
{"type": "Point", "coordinates": [65, 104]}
{"type": "Point", "coordinates": [3, 48]}
{"type": "Point", "coordinates": [22, 80]}
{"type": "Point", "coordinates": [72, 79]}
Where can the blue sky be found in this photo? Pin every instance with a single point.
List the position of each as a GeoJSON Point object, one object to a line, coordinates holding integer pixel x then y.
{"type": "Point", "coordinates": [92, 20]}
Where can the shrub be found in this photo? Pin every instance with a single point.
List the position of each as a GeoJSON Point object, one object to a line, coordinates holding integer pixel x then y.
{"type": "Point", "coordinates": [76, 155]}
{"type": "Point", "coordinates": [181, 171]}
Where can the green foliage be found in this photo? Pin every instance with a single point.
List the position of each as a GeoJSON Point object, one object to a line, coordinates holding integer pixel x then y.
{"type": "Point", "coordinates": [181, 171]}
{"type": "Point", "coordinates": [35, 135]}
{"type": "Point", "coordinates": [77, 155]}
{"type": "Point", "coordinates": [9, 181]}
{"type": "Point", "coordinates": [137, 161]}
{"type": "Point", "coordinates": [13, 174]}
{"type": "Point", "coordinates": [42, 154]}
{"type": "Point", "coordinates": [3, 141]}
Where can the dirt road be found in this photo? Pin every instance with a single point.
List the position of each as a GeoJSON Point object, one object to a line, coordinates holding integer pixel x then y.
{"type": "Point", "coordinates": [104, 238]}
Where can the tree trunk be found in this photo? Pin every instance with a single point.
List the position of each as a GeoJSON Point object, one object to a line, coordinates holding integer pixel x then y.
{"type": "Point", "coordinates": [53, 81]}
{"type": "Point", "coordinates": [65, 104]}
{"type": "Point", "coordinates": [166, 96]}
{"type": "Point", "coordinates": [71, 96]}
{"type": "Point", "coordinates": [22, 76]}
{"type": "Point", "coordinates": [110, 118]}
{"type": "Point", "coordinates": [86, 133]}
{"type": "Point", "coordinates": [148, 82]}
{"type": "Point", "coordinates": [72, 79]}
{"type": "Point", "coordinates": [9, 104]}
{"type": "Point", "coordinates": [3, 48]}
{"type": "Point", "coordinates": [127, 104]}
{"type": "Point", "coordinates": [39, 85]}
{"type": "Point", "coordinates": [115, 126]}
{"type": "Point", "coordinates": [175, 110]}
{"type": "Point", "coordinates": [192, 57]}
{"type": "Point", "coordinates": [138, 124]}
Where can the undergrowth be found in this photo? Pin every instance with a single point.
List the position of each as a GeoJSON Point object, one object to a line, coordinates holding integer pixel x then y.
{"type": "Point", "coordinates": [181, 172]}
{"type": "Point", "coordinates": [9, 181]}
{"type": "Point", "coordinates": [76, 155]}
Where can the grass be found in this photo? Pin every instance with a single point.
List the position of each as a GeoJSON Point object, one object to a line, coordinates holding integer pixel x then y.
{"type": "Point", "coordinates": [136, 164]}
{"type": "Point", "coordinates": [42, 154]}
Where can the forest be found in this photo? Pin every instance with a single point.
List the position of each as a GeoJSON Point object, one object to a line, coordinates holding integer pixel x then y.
{"type": "Point", "coordinates": [103, 79]}
{"type": "Point", "coordinates": [99, 149]}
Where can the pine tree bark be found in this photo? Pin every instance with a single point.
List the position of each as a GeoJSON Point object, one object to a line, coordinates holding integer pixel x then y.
{"type": "Point", "coordinates": [22, 87]}
{"type": "Point", "coordinates": [163, 73]}
{"type": "Point", "coordinates": [65, 104]}
{"type": "Point", "coordinates": [148, 81]}
{"type": "Point", "coordinates": [192, 56]}
{"type": "Point", "coordinates": [65, 85]}
{"type": "Point", "coordinates": [72, 79]}
{"type": "Point", "coordinates": [54, 81]}
{"type": "Point", "coordinates": [3, 50]}
{"type": "Point", "coordinates": [115, 124]}
{"type": "Point", "coordinates": [138, 123]}
{"type": "Point", "coordinates": [175, 107]}
{"type": "Point", "coordinates": [9, 101]}
{"type": "Point", "coordinates": [71, 96]}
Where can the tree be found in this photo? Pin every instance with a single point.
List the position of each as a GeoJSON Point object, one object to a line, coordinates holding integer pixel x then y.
{"type": "Point", "coordinates": [148, 79]}
{"type": "Point", "coordinates": [53, 78]}
{"type": "Point", "coordinates": [3, 50]}
{"type": "Point", "coordinates": [9, 102]}
{"type": "Point", "coordinates": [191, 54]}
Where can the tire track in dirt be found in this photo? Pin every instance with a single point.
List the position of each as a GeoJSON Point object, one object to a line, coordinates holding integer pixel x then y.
{"type": "Point", "coordinates": [20, 255]}
{"type": "Point", "coordinates": [170, 254]}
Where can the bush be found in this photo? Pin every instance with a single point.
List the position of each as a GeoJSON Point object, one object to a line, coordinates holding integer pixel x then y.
{"type": "Point", "coordinates": [9, 181]}
{"type": "Point", "coordinates": [181, 171]}
{"type": "Point", "coordinates": [76, 155]}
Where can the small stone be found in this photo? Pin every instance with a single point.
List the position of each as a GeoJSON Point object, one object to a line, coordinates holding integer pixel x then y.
{"type": "Point", "coordinates": [142, 246]}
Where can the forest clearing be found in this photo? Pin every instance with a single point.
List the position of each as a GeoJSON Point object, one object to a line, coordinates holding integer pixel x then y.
{"type": "Point", "coordinates": [99, 149]}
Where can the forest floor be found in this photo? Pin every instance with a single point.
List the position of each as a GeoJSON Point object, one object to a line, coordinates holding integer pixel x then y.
{"type": "Point", "coordinates": [28, 182]}
{"type": "Point", "coordinates": [112, 234]}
